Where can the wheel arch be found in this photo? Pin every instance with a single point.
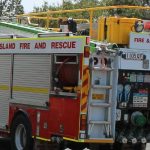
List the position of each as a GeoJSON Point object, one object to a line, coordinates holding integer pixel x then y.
{"type": "Point", "coordinates": [23, 113]}
{"type": "Point", "coordinates": [21, 117]}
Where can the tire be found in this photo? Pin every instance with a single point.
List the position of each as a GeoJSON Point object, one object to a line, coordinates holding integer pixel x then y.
{"type": "Point", "coordinates": [21, 135]}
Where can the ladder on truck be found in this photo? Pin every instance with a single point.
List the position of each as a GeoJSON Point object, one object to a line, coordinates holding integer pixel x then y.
{"type": "Point", "coordinates": [101, 102]}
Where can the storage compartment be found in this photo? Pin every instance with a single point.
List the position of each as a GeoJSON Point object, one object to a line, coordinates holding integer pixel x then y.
{"type": "Point", "coordinates": [115, 29]}
{"type": "Point", "coordinates": [102, 28]}
{"type": "Point", "coordinates": [133, 89]}
{"type": "Point", "coordinates": [118, 29]}
{"type": "Point", "coordinates": [65, 73]}
{"type": "Point", "coordinates": [133, 113]}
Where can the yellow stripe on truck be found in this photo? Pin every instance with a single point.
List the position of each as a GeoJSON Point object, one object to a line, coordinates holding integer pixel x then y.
{"type": "Point", "coordinates": [25, 89]}
{"type": "Point", "coordinates": [109, 141]}
{"type": "Point", "coordinates": [73, 140]}
{"type": "Point", "coordinates": [31, 89]}
{"type": "Point", "coordinates": [40, 138]}
{"type": "Point", "coordinates": [4, 87]}
{"type": "Point", "coordinates": [80, 140]}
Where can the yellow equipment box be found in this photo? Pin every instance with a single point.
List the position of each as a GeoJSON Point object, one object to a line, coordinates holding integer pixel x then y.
{"type": "Point", "coordinates": [101, 29]}
{"type": "Point", "coordinates": [116, 29]}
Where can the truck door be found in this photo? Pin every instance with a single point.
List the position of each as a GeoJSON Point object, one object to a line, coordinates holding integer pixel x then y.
{"type": "Point", "coordinates": [31, 74]}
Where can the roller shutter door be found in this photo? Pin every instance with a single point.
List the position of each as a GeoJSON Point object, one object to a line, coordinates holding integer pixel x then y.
{"type": "Point", "coordinates": [5, 65]}
{"type": "Point", "coordinates": [31, 79]}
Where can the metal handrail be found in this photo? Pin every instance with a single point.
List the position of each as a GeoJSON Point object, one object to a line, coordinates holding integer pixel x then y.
{"type": "Point", "coordinates": [91, 11]}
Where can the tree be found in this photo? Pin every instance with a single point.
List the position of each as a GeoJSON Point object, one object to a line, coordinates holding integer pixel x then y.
{"type": "Point", "coordinates": [144, 14]}
{"type": "Point", "coordinates": [132, 2]}
{"type": "Point", "coordinates": [79, 4]}
{"type": "Point", "coordinates": [10, 8]}
{"type": "Point", "coordinates": [43, 8]}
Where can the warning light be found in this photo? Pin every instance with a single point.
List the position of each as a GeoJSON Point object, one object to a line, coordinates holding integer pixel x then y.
{"type": "Point", "coordinates": [87, 40]}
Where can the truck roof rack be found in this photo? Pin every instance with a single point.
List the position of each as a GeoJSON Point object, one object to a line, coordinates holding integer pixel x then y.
{"type": "Point", "coordinates": [55, 34]}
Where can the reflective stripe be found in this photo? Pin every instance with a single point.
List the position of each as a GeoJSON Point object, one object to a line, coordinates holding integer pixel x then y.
{"type": "Point", "coordinates": [25, 89]}
{"type": "Point", "coordinates": [4, 87]}
{"type": "Point", "coordinates": [99, 141]}
{"type": "Point", "coordinates": [30, 89]}
{"type": "Point", "coordinates": [83, 103]}
{"type": "Point", "coordinates": [85, 88]}
{"type": "Point", "coordinates": [73, 140]}
{"type": "Point", "coordinates": [90, 141]}
{"type": "Point", "coordinates": [80, 140]}
{"type": "Point", "coordinates": [40, 138]}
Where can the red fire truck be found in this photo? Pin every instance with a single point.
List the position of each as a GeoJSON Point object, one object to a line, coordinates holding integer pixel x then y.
{"type": "Point", "coordinates": [52, 88]}
{"type": "Point", "coordinates": [43, 88]}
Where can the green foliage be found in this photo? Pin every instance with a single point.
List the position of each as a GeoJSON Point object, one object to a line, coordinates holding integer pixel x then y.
{"type": "Point", "coordinates": [10, 8]}
{"type": "Point", "coordinates": [144, 14]}
{"type": "Point", "coordinates": [79, 4]}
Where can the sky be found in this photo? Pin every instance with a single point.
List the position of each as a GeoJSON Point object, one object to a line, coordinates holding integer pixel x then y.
{"type": "Point", "coordinates": [29, 4]}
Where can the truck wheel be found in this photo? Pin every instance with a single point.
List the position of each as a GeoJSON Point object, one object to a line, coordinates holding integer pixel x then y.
{"type": "Point", "coordinates": [21, 136]}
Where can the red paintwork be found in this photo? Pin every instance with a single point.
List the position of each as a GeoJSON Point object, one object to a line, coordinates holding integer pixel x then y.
{"type": "Point", "coordinates": [62, 111]}
{"type": "Point", "coordinates": [147, 26]}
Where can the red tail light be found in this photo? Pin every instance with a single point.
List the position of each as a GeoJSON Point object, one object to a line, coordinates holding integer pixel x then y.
{"type": "Point", "coordinates": [83, 122]}
{"type": "Point", "coordinates": [86, 51]}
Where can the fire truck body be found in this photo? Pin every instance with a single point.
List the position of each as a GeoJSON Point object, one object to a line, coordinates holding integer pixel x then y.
{"type": "Point", "coordinates": [129, 95]}
{"type": "Point", "coordinates": [41, 87]}
{"type": "Point", "coordinates": [52, 89]}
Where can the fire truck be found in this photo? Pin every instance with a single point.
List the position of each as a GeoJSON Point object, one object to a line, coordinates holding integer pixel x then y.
{"type": "Point", "coordinates": [44, 86]}
{"type": "Point", "coordinates": [60, 87]}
